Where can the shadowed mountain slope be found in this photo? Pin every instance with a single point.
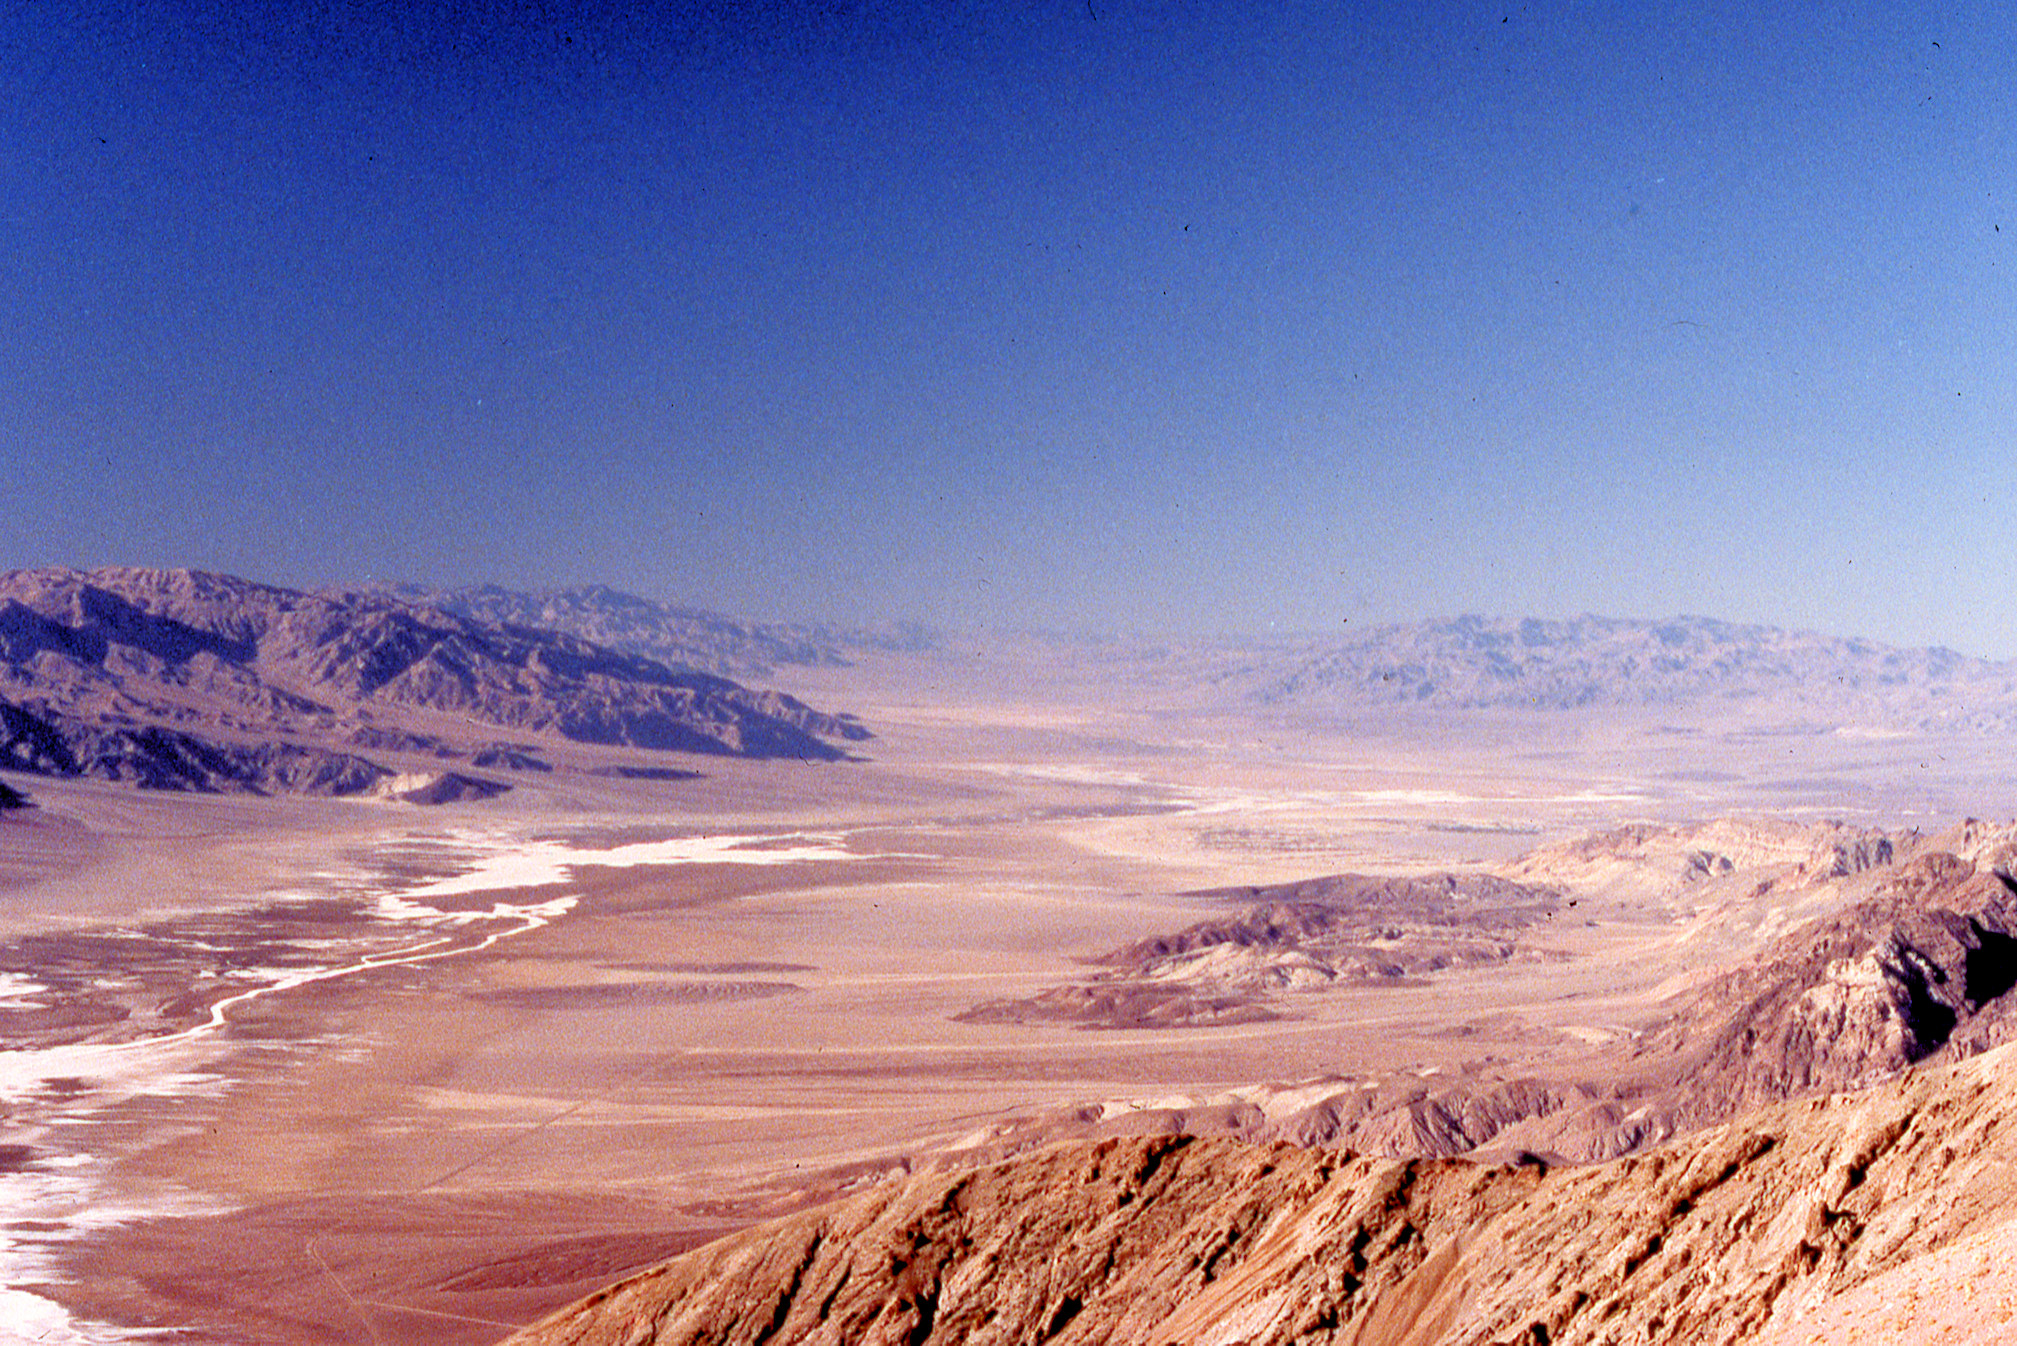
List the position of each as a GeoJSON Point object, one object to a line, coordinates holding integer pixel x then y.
{"type": "Point", "coordinates": [671, 634]}
{"type": "Point", "coordinates": [182, 679]}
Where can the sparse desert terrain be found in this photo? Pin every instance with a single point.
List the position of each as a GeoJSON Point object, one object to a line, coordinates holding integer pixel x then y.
{"type": "Point", "coordinates": [499, 1053]}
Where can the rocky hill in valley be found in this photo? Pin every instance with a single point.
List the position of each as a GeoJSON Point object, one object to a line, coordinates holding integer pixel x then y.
{"type": "Point", "coordinates": [677, 636]}
{"type": "Point", "coordinates": [1295, 937]}
{"type": "Point", "coordinates": [186, 680]}
{"type": "Point", "coordinates": [1910, 954]}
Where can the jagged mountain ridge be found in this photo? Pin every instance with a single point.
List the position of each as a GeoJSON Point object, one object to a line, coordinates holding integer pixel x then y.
{"type": "Point", "coordinates": [1733, 1235]}
{"type": "Point", "coordinates": [1474, 662]}
{"type": "Point", "coordinates": [676, 636]}
{"type": "Point", "coordinates": [672, 634]}
{"type": "Point", "coordinates": [184, 679]}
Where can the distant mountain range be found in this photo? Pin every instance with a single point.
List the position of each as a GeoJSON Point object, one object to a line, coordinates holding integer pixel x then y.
{"type": "Point", "coordinates": [1472, 663]}
{"type": "Point", "coordinates": [180, 679]}
{"type": "Point", "coordinates": [185, 680]}
{"type": "Point", "coordinates": [676, 636]}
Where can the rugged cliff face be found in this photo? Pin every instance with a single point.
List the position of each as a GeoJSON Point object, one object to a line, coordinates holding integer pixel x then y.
{"type": "Point", "coordinates": [179, 679]}
{"type": "Point", "coordinates": [1732, 1235]}
{"type": "Point", "coordinates": [1923, 965]}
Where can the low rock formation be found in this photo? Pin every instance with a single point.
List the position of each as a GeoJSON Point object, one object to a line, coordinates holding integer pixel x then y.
{"type": "Point", "coordinates": [510, 757]}
{"type": "Point", "coordinates": [1346, 928]}
{"type": "Point", "coordinates": [439, 787]}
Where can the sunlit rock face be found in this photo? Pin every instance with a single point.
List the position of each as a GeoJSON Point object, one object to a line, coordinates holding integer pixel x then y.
{"type": "Point", "coordinates": [1735, 1234]}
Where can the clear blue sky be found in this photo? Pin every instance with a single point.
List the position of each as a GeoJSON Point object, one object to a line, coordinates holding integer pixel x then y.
{"type": "Point", "coordinates": [1093, 315]}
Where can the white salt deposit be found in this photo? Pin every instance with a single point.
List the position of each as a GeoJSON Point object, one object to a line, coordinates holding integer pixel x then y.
{"type": "Point", "coordinates": [18, 990]}
{"type": "Point", "coordinates": [63, 1188]}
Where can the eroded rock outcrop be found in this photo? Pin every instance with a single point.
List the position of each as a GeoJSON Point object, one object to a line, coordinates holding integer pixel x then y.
{"type": "Point", "coordinates": [1923, 964]}
{"type": "Point", "coordinates": [1916, 962]}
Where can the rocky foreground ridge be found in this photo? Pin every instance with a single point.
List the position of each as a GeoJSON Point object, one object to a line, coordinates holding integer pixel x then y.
{"type": "Point", "coordinates": [178, 679]}
{"type": "Point", "coordinates": [1728, 1186]}
{"type": "Point", "coordinates": [1736, 1234]}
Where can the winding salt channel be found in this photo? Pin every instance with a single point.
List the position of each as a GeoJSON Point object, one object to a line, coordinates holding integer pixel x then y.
{"type": "Point", "coordinates": [62, 1189]}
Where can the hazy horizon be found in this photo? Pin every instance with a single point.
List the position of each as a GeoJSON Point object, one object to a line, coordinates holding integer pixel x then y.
{"type": "Point", "coordinates": [1091, 316]}
{"type": "Point", "coordinates": [1345, 633]}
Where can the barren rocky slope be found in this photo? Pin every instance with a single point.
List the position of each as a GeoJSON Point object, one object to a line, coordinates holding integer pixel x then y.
{"type": "Point", "coordinates": [1751, 1191]}
{"type": "Point", "coordinates": [1719, 1238]}
{"type": "Point", "coordinates": [187, 680]}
